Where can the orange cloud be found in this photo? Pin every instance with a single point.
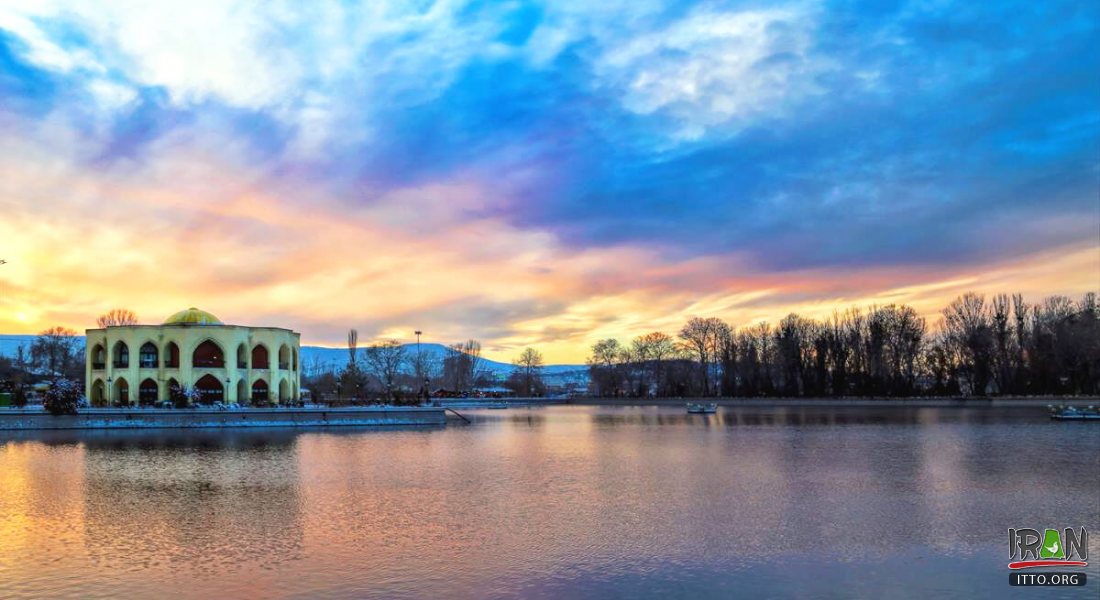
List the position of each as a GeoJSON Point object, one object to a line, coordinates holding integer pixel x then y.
{"type": "Point", "coordinates": [191, 228]}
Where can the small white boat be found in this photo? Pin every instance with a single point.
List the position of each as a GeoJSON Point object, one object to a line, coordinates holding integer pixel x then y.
{"type": "Point", "coordinates": [702, 408]}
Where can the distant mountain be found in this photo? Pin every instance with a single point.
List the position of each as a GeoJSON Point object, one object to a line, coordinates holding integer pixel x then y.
{"type": "Point", "coordinates": [317, 357]}
{"type": "Point", "coordinates": [339, 356]}
{"type": "Point", "coordinates": [335, 358]}
{"type": "Point", "coordinates": [10, 343]}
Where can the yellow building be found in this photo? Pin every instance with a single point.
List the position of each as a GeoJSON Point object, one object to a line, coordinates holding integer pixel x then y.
{"type": "Point", "coordinates": [192, 350]}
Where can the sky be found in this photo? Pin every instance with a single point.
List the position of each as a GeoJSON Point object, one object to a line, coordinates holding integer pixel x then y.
{"type": "Point", "coordinates": [540, 174]}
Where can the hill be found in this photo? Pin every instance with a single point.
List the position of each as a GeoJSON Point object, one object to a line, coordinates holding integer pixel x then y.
{"type": "Point", "coordinates": [319, 358]}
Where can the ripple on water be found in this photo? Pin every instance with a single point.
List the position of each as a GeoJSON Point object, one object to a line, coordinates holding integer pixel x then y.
{"type": "Point", "coordinates": [561, 502]}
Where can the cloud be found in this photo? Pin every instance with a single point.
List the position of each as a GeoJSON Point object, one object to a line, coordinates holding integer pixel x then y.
{"type": "Point", "coordinates": [550, 173]}
{"type": "Point", "coordinates": [713, 68]}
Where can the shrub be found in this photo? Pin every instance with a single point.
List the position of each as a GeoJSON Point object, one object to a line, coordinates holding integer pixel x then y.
{"type": "Point", "coordinates": [186, 397]}
{"type": "Point", "coordinates": [63, 397]}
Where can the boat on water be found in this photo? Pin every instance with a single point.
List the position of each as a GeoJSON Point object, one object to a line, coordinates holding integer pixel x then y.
{"type": "Point", "coordinates": [497, 405]}
{"type": "Point", "coordinates": [1072, 413]}
{"type": "Point", "coordinates": [702, 408]}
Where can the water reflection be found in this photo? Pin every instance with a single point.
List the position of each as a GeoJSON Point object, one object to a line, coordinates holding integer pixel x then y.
{"type": "Point", "coordinates": [217, 505]}
{"type": "Point", "coordinates": [545, 502]}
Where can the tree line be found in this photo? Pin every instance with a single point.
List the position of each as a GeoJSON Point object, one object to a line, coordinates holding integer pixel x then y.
{"type": "Point", "coordinates": [1001, 345]}
{"type": "Point", "coordinates": [387, 371]}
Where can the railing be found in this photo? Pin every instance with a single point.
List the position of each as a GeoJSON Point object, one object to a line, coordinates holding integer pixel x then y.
{"type": "Point", "coordinates": [171, 364]}
{"type": "Point", "coordinates": [259, 365]}
{"type": "Point", "coordinates": [216, 364]}
{"type": "Point", "coordinates": [148, 364]}
{"type": "Point", "coordinates": [98, 366]}
{"type": "Point", "coordinates": [242, 365]}
{"type": "Point", "coordinates": [284, 365]}
{"type": "Point", "coordinates": [122, 364]}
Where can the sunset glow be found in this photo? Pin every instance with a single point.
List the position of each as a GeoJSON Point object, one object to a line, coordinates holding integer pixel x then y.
{"type": "Point", "coordinates": [538, 175]}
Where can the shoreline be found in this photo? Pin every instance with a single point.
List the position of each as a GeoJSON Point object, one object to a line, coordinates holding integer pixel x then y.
{"type": "Point", "coordinates": [154, 418]}
{"type": "Point", "coordinates": [883, 402]}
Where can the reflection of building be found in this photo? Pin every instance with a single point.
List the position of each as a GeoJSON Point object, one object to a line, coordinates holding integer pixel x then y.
{"type": "Point", "coordinates": [132, 364]}
{"type": "Point", "coordinates": [215, 504]}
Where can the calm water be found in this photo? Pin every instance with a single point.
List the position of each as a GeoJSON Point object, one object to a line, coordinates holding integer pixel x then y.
{"type": "Point", "coordinates": [561, 502]}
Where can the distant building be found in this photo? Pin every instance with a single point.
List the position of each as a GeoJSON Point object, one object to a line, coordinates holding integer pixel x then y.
{"type": "Point", "coordinates": [192, 350]}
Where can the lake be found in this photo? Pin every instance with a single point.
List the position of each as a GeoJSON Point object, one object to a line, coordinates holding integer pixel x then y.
{"type": "Point", "coordinates": [553, 502]}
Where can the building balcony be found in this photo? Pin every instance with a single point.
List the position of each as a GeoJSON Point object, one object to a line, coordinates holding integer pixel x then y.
{"type": "Point", "coordinates": [98, 366]}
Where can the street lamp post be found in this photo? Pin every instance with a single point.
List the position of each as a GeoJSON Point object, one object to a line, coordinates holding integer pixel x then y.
{"type": "Point", "coordinates": [419, 362]}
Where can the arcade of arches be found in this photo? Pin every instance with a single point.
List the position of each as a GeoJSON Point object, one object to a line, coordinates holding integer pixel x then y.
{"type": "Point", "coordinates": [192, 358]}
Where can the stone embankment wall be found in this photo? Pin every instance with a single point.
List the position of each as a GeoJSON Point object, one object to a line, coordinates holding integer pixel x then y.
{"type": "Point", "coordinates": [277, 417]}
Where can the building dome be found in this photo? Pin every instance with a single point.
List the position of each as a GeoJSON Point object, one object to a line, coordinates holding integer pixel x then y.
{"type": "Point", "coordinates": [192, 316]}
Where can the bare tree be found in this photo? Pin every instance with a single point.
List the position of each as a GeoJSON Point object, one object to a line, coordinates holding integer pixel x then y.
{"type": "Point", "coordinates": [528, 371]}
{"type": "Point", "coordinates": [462, 365]}
{"type": "Point", "coordinates": [660, 347]}
{"type": "Point", "coordinates": [55, 351]}
{"type": "Point", "coordinates": [968, 329]}
{"type": "Point", "coordinates": [701, 335]}
{"type": "Point", "coordinates": [1002, 332]}
{"type": "Point", "coordinates": [1020, 314]}
{"type": "Point", "coordinates": [385, 360]}
{"type": "Point", "coordinates": [726, 359]}
{"type": "Point", "coordinates": [472, 350]}
{"type": "Point", "coordinates": [427, 366]}
{"type": "Point", "coordinates": [603, 369]}
{"type": "Point", "coordinates": [350, 380]}
{"type": "Point", "coordinates": [115, 317]}
{"type": "Point", "coordinates": [353, 347]}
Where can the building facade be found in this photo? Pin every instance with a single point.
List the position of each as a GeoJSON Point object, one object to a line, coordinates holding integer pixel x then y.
{"type": "Point", "coordinates": [192, 357]}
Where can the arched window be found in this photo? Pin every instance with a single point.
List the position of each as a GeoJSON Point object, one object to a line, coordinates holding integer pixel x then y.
{"type": "Point", "coordinates": [284, 391]}
{"type": "Point", "coordinates": [172, 356]}
{"type": "Point", "coordinates": [99, 357]}
{"type": "Point", "coordinates": [259, 392]}
{"type": "Point", "coordinates": [259, 357]}
{"type": "Point", "coordinates": [284, 357]}
{"type": "Point", "coordinates": [148, 392]}
{"type": "Point", "coordinates": [147, 356]}
{"type": "Point", "coordinates": [208, 355]}
{"type": "Point", "coordinates": [121, 356]}
{"type": "Point", "coordinates": [210, 389]}
{"type": "Point", "coordinates": [242, 357]}
{"type": "Point", "coordinates": [99, 393]}
{"type": "Point", "coordinates": [121, 394]}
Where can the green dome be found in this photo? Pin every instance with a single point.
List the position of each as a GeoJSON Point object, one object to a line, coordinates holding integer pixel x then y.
{"type": "Point", "coordinates": [192, 316]}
